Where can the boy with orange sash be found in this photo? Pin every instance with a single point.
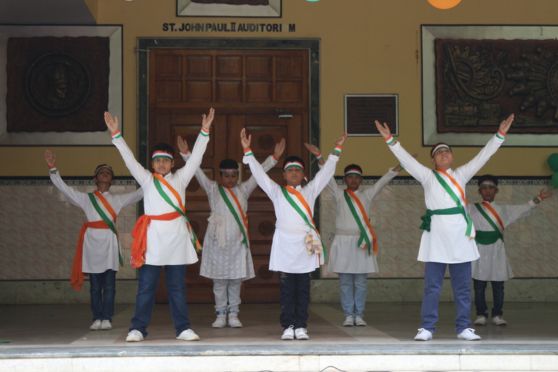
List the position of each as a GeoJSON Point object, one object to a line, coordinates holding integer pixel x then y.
{"type": "Point", "coordinates": [163, 236]}
{"type": "Point", "coordinates": [226, 257]}
{"type": "Point", "coordinates": [490, 220]}
{"type": "Point", "coordinates": [296, 250]}
{"type": "Point", "coordinates": [354, 248]}
{"type": "Point", "coordinates": [448, 237]}
{"type": "Point", "coordinates": [97, 251]}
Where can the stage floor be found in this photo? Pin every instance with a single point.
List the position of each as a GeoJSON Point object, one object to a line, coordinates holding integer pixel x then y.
{"type": "Point", "coordinates": [33, 333]}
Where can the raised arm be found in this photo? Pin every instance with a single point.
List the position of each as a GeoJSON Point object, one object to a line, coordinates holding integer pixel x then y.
{"type": "Point", "coordinates": [185, 153]}
{"type": "Point", "coordinates": [373, 190]}
{"type": "Point", "coordinates": [131, 197]}
{"type": "Point", "coordinates": [407, 161]}
{"type": "Point", "coordinates": [332, 185]}
{"type": "Point", "coordinates": [325, 174]}
{"type": "Point", "coordinates": [263, 180]}
{"type": "Point", "coordinates": [250, 184]}
{"type": "Point", "coordinates": [141, 174]}
{"type": "Point", "coordinates": [75, 197]}
{"type": "Point", "coordinates": [467, 171]}
{"type": "Point", "coordinates": [512, 213]}
{"type": "Point", "coordinates": [189, 169]}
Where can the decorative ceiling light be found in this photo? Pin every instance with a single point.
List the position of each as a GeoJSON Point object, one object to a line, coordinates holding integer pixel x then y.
{"type": "Point", "coordinates": [444, 4]}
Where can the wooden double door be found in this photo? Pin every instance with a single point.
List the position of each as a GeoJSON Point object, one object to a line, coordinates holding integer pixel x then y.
{"type": "Point", "coordinates": [264, 91]}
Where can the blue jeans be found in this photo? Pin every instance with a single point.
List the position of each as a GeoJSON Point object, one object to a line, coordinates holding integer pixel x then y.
{"type": "Point", "coordinates": [352, 289]}
{"type": "Point", "coordinates": [145, 298]}
{"type": "Point", "coordinates": [295, 297]}
{"type": "Point", "coordinates": [102, 288]}
{"type": "Point", "coordinates": [497, 295]}
{"type": "Point", "coordinates": [460, 275]}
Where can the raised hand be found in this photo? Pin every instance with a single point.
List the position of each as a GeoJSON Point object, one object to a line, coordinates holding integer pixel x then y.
{"type": "Point", "coordinates": [111, 122]}
{"type": "Point", "coordinates": [314, 150]}
{"type": "Point", "coordinates": [50, 158]}
{"type": "Point", "coordinates": [341, 140]}
{"type": "Point", "coordinates": [545, 194]}
{"type": "Point", "coordinates": [279, 148]}
{"type": "Point", "coordinates": [182, 145]}
{"type": "Point", "coordinates": [506, 124]}
{"type": "Point", "coordinates": [245, 140]}
{"type": "Point", "coordinates": [383, 129]}
{"type": "Point", "coordinates": [208, 119]}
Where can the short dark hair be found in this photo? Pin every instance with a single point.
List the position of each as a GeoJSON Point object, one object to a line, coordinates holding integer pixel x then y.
{"type": "Point", "coordinates": [162, 146]}
{"type": "Point", "coordinates": [228, 164]}
{"type": "Point", "coordinates": [352, 166]}
{"type": "Point", "coordinates": [488, 177]}
{"type": "Point", "coordinates": [292, 158]}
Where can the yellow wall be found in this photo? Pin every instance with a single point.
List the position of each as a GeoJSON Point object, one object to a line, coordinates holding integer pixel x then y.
{"type": "Point", "coordinates": [367, 46]}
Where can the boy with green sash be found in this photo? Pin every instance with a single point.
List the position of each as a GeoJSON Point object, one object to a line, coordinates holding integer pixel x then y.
{"type": "Point", "coordinates": [296, 250]}
{"type": "Point", "coordinates": [226, 257]}
{"type": "Point", "coordinates": [163, 236]}
{"type": "Point", "coordinates": [448, 237]}
{"type": "Point", "coordinates": [490, 220]}
{"type": "Point", "coordinates": [98, 251]}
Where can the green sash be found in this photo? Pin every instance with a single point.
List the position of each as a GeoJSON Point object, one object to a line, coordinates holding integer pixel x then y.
{"type": "Point", "coordinates": [109, 223]}
{"type": "Point", "coordinates": [235, 215]}
{"type": "Point", "coordinates": [487, 237]}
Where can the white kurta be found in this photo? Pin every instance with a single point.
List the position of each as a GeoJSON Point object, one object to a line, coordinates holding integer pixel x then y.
{"type": "Point", "coordinates": [345, 256]}
{"type": "Point", "coordinates": [168, 242]}
{"type": "Point", "coordinates": [224, 256]}
{"type": "Point", "coordinates": [446, 241]}
{"type": "Point", "coordinates": [493, 264]}
{"type": "Point", "coordinates": [288, 250]}
{"type": "Point", "coordinates": [100, 246]}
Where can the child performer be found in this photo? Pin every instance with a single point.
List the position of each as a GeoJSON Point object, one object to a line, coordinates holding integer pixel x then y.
{"type": "Point", "coordinates": [490, 220]}
{"type": "Point", "coordinates": [296, 250]}
{"type": "Point", "coordinates": [97, 252]}
{"type": "Point", "coordinates": [226, 256]}
{"type": "Point", "coordinates": [448, 237]}
{"type": "Point", "coordinates": [354, 248]}
{"type": "Point", "coordinates": [163, 236]}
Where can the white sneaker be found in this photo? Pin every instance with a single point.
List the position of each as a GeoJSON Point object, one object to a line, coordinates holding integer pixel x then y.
{"type": "Point", "coordinates": [134, 336]}
{"type": "Point", "coordinates": [234, 322]}
{"type": "Point", "coordinates": [349, 321]}
{"type": "Point", "coordinates": [96, 325]}
{"type": "Point", "coordinates": [468, 334]}
{"type": "Point", "coordinates": [188, 335]}
{"type": "Point", "coordinates": [359, 322]}
{"type": "Point", "coordinates": [481, 320]}
{"type": "Point", "coordinates": [423, 335]}
{"type": "Point", "coordinates": [499, 321]}
{"type": "Point", "coordinates": [106, 325]}
{"type": "Point", "coordinates": [288, 333]}
{"type": "Point", "coordinates": [301, 334]}
{"type": "Point", "coordinates": [220, 321]}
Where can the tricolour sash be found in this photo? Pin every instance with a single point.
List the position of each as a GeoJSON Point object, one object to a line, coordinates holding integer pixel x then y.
{"type": "Point", "coordinates": [76, 278]}
{"type": "Point", "coordinates": [300, 205]}
{"type": "Point", "coordinates": [180, 208]}
{"type": "Point", "coordinates": [460, 200]}
{"type": "Point", "coordinates": [494, 220]}
{"type": "Point", "coordinates": [111, 223]}
{"type": "Point", "coordinates": [236, 210]}
{"type": "Point", "coordinates": [367, 235]}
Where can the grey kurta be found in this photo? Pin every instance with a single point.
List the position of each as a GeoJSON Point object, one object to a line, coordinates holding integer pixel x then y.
{"type": "Point", "coordinates": [224, 256]}
{"type": "Point", "coordinates": [345, 255]}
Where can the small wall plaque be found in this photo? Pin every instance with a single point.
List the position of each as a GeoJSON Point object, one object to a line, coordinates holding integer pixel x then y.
{"type": "Point", "coordinates": [362, 109]}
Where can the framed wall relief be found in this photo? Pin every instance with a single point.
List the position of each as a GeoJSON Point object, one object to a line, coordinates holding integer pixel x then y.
{"type": "Point", "coordinates": [59, 81]}
{"type": "Point", "coordinates": [474, 76]}
{"type": "Point", "coordinates": [362, 109]}
{"type": "Point", "coordinates": [229, 8]}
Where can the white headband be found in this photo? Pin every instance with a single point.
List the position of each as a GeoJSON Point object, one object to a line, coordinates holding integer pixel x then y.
{"type": "Point", "coordinates": [353, 171]}
{"type": "Point", "coordinates": [439, 147]}
{"type": "Point", "coordinates": [292, 164]}
{"type": "Point", "coordinates": [161, 154]}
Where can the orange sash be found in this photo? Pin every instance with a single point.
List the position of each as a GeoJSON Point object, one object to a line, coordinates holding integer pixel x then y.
{"type": "Point", "coordinates": [76, 280]}
{"type": "Point", "coordinates": [139, 234]}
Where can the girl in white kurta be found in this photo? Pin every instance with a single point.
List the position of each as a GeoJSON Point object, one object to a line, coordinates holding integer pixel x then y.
{"type": "Point", "coordinates": [97, 252]}
{"type": "Point", "coordinates": [448, 239]}
{"type": "Point", "coordinates": [163, 236]}
{"type": "Point", "coordinates": [296, 249]}
{"type": "Point", "coordinates": [490, 220]}
{"type": "Point", "coordinates": [226, 257]}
